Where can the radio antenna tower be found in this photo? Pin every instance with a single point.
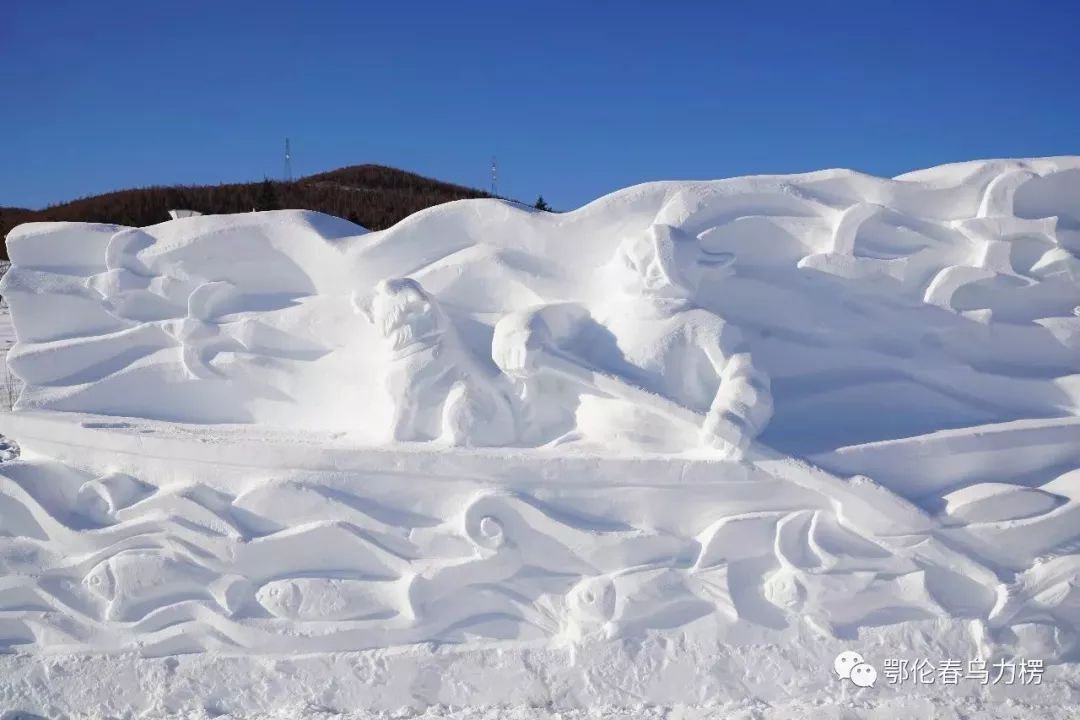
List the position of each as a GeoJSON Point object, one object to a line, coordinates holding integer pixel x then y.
{"type": "Point", "coordinates": [494, 178]}
{"type": "Point", "coordinates": [288, 162]}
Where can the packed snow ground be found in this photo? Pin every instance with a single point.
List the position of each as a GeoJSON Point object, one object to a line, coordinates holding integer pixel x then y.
{"type": "Point", "coordinates": [338, 687]}
{"type": "Point", "coordinates": [678, 448]}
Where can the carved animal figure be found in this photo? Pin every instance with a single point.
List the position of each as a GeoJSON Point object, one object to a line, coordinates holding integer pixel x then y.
{"type": "Point", "coordinates": [438, 390]}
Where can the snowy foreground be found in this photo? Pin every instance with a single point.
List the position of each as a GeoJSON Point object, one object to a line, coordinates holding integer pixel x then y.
{"type": "Point", "coordinates": [689, 451]}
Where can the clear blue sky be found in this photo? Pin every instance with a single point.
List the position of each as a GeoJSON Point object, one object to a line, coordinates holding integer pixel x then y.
{"type": "Point", "coordinates": [575, 98]}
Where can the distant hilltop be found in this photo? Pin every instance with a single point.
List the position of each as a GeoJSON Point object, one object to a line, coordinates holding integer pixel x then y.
{"type": "Point", "coordinates": [374, 196]}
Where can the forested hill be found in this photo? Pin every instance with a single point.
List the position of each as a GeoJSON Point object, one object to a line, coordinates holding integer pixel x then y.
{"type": "Point", "coordinates": [370, 195]}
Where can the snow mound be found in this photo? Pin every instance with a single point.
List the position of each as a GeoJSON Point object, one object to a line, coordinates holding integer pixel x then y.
{"type": "Point", "coordinates": [602, 455]}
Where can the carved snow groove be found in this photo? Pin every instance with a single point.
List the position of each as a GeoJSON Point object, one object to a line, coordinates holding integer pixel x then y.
{"type": "Point", "coordinates": [993, 243]}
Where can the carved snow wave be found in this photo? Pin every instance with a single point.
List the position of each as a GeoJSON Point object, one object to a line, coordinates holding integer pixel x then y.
{"type": "Point", "coordinates": [305, 564]}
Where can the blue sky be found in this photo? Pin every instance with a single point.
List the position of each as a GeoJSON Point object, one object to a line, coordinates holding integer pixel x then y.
{"type": "Point", "coordinates": [575, 98]}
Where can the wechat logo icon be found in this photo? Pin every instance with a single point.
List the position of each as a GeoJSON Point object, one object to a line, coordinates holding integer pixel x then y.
{"type": "Point", "coordinates": [851, 666]}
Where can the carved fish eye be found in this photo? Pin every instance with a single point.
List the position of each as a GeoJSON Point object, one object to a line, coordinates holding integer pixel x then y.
{"type": "Point", "coordinates": [589, 597]}
{"type": "Point", "coordinates": [490, 527]}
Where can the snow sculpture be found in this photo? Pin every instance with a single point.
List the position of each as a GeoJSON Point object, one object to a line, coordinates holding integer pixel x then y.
{"type": "Point", "coordinates": [590, 605]}
{"type": "Point", "coordinates": [178, 308]}
{"type": "Point", "coordinates": [133, 582]}
{"type": "Point", "coordinates": [438, 390]}
{"type": "Point", "coordinates": [100, 498]}
{"type": "Point", "coordinates": [204, 471]}
{"type": "Point", "coordinates": [647, 368]}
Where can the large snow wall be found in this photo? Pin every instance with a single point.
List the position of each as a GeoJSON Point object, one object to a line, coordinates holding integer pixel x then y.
{"type": "Point", "coordinates": [222, 451]}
